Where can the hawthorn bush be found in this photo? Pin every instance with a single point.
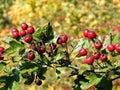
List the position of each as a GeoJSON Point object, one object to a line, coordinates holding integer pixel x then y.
{"type": "Point", "coordinates": [31, 51]}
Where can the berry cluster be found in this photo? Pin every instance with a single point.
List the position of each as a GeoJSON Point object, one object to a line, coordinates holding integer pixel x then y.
{"type": "Point", "coordinates": [62, 39]}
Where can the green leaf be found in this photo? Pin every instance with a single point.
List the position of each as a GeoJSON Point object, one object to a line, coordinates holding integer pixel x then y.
{"type": "Point", "coordinates": [58, 57]}
{"type": "Point", "coordinates": [29, 79]}
{"type": "Point", "coordinates": [2, 66]}
{"type": "Point", "coordinates": [8, 39]}
{"type": "Point", "coordinates": [16, 58]}
{"type": "Point", "coordinates": [9, 50]}
{"type": "Point", "coordinates": [77, 87]}
{"type": "Point", "coordinates": [115, 38]}
{"type": "Point", "coordinates": [15, 85]}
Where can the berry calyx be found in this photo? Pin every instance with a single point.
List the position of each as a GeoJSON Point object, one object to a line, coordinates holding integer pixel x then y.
{"type": "Point", "coordinates": [59, 41]}
{"type": "Point", "coordinates": [103, 57]}
{"type": "Point", "coordinates": [2, 50]}
{"type": "Point", "coordinates": [31, 55]}
{"type": "Point", "coordinates": [91, 34]}
{"type": "Point", "coordinates": [30, 30]}
{"type": "Point", "coordinates": [38, 82]}
{"type": "Point", "coordinates": [89, 60]}
{"type": "Point", "coordinates": [22, 33]}
{"type": "Point", "coordinates": [24, 26]}
{"type": "Point", "coordinates": [111, 47]}
{"type": "Point", "coordinates": [98, 45]}
{"type": "Point", "coordinates": [28, 38]}
{"type": "Point", "coordinates": [83, 52]}
{"type": "Point", "coordinates": [15, 35]}
{"type": "Point", "coordinates": [85, 33]}
{"type": "Point", "coordinates": [41, 49]}
{"type": "Point", "coordinates": [117, 47]}
{"type": "Point", "coordinates": [15, 30]}
{"type": "Point", "coordinates": [96, 55]}
{"type": "Point", "coordinates": [64, 38]}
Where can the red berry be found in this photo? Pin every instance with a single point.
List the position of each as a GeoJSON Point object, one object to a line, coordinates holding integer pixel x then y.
{"type": "Point", "coordinates": [85, 33]}
{"type": "Point", "coordinates": [96, 55]}
{"type": "Point", "coordinates": [38, 82]}
{"type": "Point", "coordinates": [117, 47]}
{"type": "Point", "coordinates": [41, 49]}
{"type": "Point", "coordinates": [103, 57]}
{"type": "Point", "coordinates": [111, 47]}
{"type": "Point", "coordinates": [30, 30]}
{"type": "Point", "coordinates": [15, 35]}
{"type": "Point", "coordinates": [2, 50]}
{"type": "Point", "coordinates": [64, 38]}
{"type": "Point", "coordinates": [31, 55]}
{"type": "Point", "coordinates": [98, 45]}
{"type": "Point", "coordinates": [22, 33]}
{"type": "Point", "coordinates": [59, 41]}
{"type": "Point", "coordinates": [91, 34]}
{"type": "Point", "coordinates": [89, 60]}
{"type": "Point", "coordinates": [83, 52]}
{"type": "Point", "coordinates": [15, 30]}
{"type": "Point", "coordinates": [24, 26]}
{"type": "Point", "coordinates": [28, 38]}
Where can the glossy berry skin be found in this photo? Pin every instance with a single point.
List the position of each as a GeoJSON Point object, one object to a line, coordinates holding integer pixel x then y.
{"type": "Point", "coordinates": [64, 38]}
{"type": "Point", "coordinates": [117, 47]}
{"type": "Point", "coordinates": [30, 30]}
{"type": "Point", "coordinates": [2, 50]}
{"type": "Point", "coordinates": [28, 38]}
{"type": "Point", "coordinates": [85, 33]}
{"type": "Point", "coordinates": [15, 35]}
{"type": "Point", "coordinates": [89, 60]}
{"type": "Point", "coordinates": [38, 82]}
{"type": "Point", "coordinates": [24, 26]}
{"type": "Point", "coordinates": [83, 52]}
{"type": "Point", "coordinates": [111, 47]}
{"type": "Point", "coordinates": [22, 33]}
{"type": "Point", "coordinates": [31, 55]}
{"type": "Point", "coordinates": [98, 45]}
{"type": "Point", "coordinates": [96, 55]}
{"type": "Point", "coordinates": [15, 30]}
{"type": "Point", "coordinates": [91, 35]}
{"type": "Point", "coordinates": [59, 41]}
{"type": "Point", "coordinates": [41, 49]}
{"type": "Point", "coordinates": [103, 57]}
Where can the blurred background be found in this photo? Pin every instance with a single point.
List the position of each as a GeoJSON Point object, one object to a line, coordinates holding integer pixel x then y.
{"type": "Point", "coordinates": [66, 16]}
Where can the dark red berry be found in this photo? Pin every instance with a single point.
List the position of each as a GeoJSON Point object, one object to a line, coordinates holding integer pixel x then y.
{"type": "Point", "coordinates": [85, 33]}
{"type": "Point", "coordinates": [38, 81]}
{"type": "Point", "coordinates": [41, 49]}
{"type": "Point", "coordinates": [64, 38]}
{"type": "Point", "coordinates": [91, 34]}
{"type": "Point", "coordinates": [52, 46]}
{"type": "Point", "coordinates": [117, 47]}
{"type": "Point", "coordinates": [2, 50]}
{"type": "Point", "coordinates": [24, 26]}
{"type": "Point", "coordinates": [59, 41]}
{"type": "Point", "coordinates": [98, 45]}
{"type": "Point", "coordinates": [28, 38]}
{"type": "Point", "coordinates": [15, 35]}
{"type": "Point", "coordinates": [83, 52]}
{"type": "Point", "coordinates": [15, 30]}
{"type": "Point", "coordinates": [30, 30]}
{"type": "Point", "coordinates": [31, 55]}
{"type": "Point", "coordinates": [96, 55]}
{"type": "Point", "coordinates": [111, 47]}
{"type": "Point", "coordinates": [22, 33]}
{"type": "Point", "coordinates": [89, 60]}
{"type": "Point", "coordinates": [1, 57]}
{"type": "Point", "coordinates": [103, 57]}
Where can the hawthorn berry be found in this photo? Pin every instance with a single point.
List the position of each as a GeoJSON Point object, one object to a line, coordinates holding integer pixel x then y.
{"type": "Point", "coordinates": [24, 26]}
{"type": "Point", "coordinates": [64, 38]}
{"type": "Point", "coordinates": [103, 57]}
{"type": "Point", "coordinates": [59, 41]}
{"type": "Point", "coordinates": [28, 38]}
{"type": "Point", "coordinates": [117, 47]}
{"type": "Point", "coordinates": [83, 52]}
{"type": "Point", "coordinates": [41, 49]}
{"type": "Point", "coordinates": [91, 34]}
{"type": "Point", "coordinates": [31, 55]}
{"type": "Point", "coordinates": [85, 33]}
{"type": "Point", "coordinates": [111, 47]}
{"type": "Point", "coordinates": [30, 30]}
{"type": "Point", "coordinates": [98, 45]}
{"type": "Point", "coordinates": [15, 30]}
{"type": "Point", "coordinates": [38, 82]}
{"type": "Point", "coordinates": [22, 33]}
{"type": "Point", "coordinates": [2, 50]}
{"type": "Point", "coordinates": [15, 35]}
{"type": "Point", "coordinates": [89, 60]}
{"type": "Point", "coordinates": [96, 55]}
